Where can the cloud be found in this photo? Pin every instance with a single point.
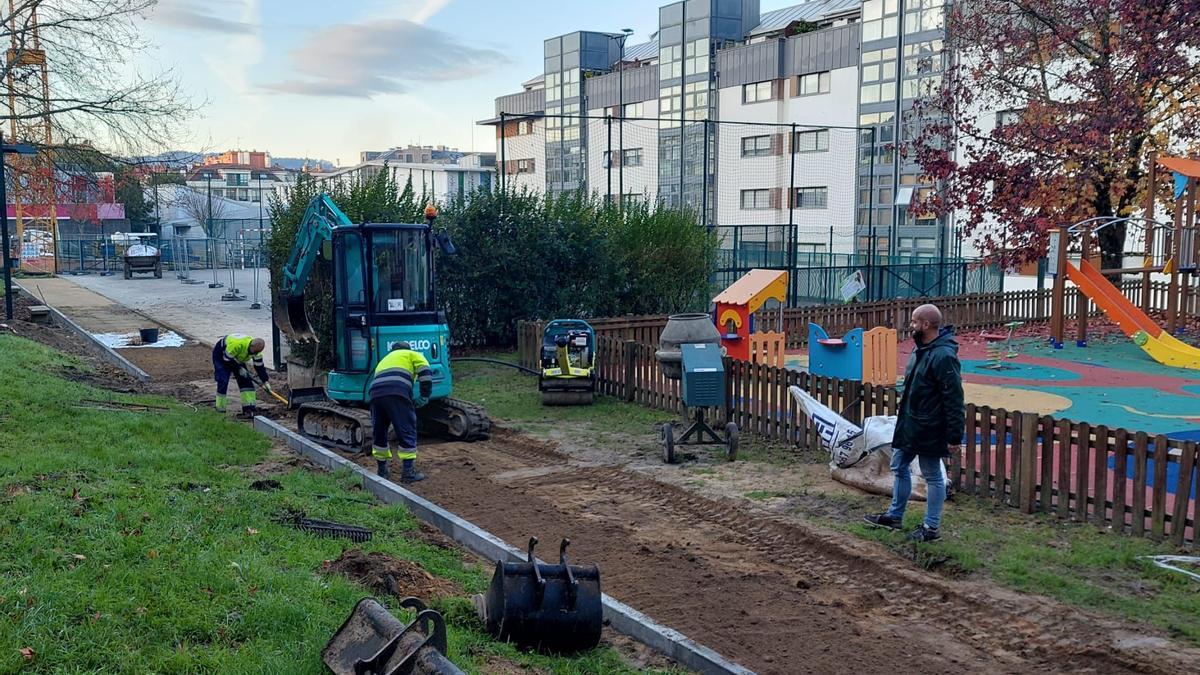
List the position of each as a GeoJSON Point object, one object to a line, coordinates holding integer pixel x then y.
{"type": "Point", "coordinates": [381, 57]}
{"type": "Point", "coordinates": [196, 16]}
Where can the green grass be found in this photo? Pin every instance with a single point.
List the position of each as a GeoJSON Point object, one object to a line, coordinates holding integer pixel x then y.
{"type": "Point", "coordinates": [133, 543]}
{"type": "Point", "coordinates": [1075, 563]}
{"type": "Point", "coordinates": [512, 396]}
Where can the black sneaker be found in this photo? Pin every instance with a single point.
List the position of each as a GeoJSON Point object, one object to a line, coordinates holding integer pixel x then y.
{"type": "Point", "coordinates": [881, 520]}
{"type": "Point", "coordinates": [923, 534]}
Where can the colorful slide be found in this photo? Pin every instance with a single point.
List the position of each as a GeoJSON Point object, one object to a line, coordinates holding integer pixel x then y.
{"type": "Point", "coordinates": [1158, 343]}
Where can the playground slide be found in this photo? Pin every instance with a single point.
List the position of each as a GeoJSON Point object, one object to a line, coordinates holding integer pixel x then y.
{"type": "Point", "coordinates": [1158, 343]}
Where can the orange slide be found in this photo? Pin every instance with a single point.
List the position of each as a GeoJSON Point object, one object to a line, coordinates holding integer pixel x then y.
{"type": "Point", "coordinates": [1158, 343]}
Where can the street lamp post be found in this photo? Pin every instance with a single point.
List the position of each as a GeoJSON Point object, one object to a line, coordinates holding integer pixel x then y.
{"type": "Point", "coordinates": [625, 32]}
{"type": "Point", "coordinates": [7, 149]}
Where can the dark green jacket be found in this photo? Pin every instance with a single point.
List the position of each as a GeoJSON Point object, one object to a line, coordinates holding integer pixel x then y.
{"type": "Point", "coordinates": [932, 415]}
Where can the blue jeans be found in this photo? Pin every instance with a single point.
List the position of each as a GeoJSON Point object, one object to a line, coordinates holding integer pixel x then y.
{"type": "Point", "coordinates": [934, 473]}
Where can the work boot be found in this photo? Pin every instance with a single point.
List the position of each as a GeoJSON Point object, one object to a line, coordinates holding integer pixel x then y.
{"type": "Point", "coordinates": [248, 412]}
{"type": "Point", "coordinates": [409, 474]}
{"type": "Point", "coordinates": [383, 468]}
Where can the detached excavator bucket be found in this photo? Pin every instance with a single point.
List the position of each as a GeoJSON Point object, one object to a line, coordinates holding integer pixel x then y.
{"type": "Point", "coordinates": [373, 642]}
{"type": "Point", "coordinates": [291, 317]}
{"type": "Point", "coordinates": [554, 609]}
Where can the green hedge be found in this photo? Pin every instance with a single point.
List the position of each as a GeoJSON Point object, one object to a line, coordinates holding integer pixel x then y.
{"type": "Point", "coordinates": [522, 255]}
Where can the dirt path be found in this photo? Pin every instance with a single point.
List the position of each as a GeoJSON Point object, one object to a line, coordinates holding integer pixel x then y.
{"type": "Point", "coordinates": [778, 597]}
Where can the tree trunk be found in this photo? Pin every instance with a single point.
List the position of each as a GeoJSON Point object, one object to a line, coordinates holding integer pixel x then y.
{"type": "Point", "coordinates": [1112, 245]}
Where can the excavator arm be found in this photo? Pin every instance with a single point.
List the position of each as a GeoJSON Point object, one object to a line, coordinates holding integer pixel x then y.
{"type": "Point", "coordinates": [316, 228]}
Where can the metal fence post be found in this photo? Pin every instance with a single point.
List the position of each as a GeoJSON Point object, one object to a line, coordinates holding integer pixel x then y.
{"type": "Point", "coordinates": [704, 178]}
{"type": "Point", "coordinates": [503, 165]}
{"type": "Point", "coordinates": [609, 164]}
{"type": "Point", "coordinates": [790, 146]}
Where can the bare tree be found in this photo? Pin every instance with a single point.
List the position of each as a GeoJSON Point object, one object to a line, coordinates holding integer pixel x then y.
{"type": "Point", "coordinates": [200, 206]}
{"type": "Point", "coordinates": [95, 90]}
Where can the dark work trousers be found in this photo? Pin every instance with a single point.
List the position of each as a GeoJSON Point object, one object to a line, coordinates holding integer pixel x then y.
{"type": "Point", "coordinates": [399, 413]}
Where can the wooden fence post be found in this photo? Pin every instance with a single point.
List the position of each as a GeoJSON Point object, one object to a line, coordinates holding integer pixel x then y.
{"type": "Point", "coordinates": [630, 368]}
{"type": "Point", "coordinates": [1029, 451]}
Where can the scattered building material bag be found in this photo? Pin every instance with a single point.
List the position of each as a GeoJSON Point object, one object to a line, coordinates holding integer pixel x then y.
{"type": "Point", "coordinates": [858, 456]}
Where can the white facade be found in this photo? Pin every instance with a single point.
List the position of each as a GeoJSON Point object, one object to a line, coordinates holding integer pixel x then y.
{"type": "Point", "coordinates": [441, 182]}
{"type": "Point", "coordinates": [755, 155]}
{"type": "Point", "coordinates": [240, 183]}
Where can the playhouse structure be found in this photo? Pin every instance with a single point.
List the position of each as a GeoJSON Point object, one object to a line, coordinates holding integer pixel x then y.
{"type": "Point", "coordinates": [734, 315]}
{"type": "Point", "coordinates": [866, 356]}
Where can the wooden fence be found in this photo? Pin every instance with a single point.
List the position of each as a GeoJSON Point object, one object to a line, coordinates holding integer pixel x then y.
{"type": "Point", "coordinates": [1111, 477]}
{"type": "Point", "coordinates": [965, 312]}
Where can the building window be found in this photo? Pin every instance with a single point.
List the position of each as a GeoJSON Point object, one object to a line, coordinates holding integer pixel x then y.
{"type": "Point", "coordinates": [758, 92]}
{"type": "Point", "coordinates": [1006, 117]}
{"type": "Point", "coordinates": [756, 199]}
{"type": "Point", "coordinates": [816, 140]}
{"type": "Point", "coordinates": [696, 57]}
{"type": "Point", "coordinates": [670, 62]}
{"type": "Point", "coordinates": [634, 110]}
{"type": "Point", "coordinates": [756, 146]}
{"type": "Point", "coordinates": [811, 198]}
{"type": "Point", "coordinates": [812, 84]}
{"type": "Point", "coordinates": [524, 166]}
{"type": "Point", "coordinates": [879, 19]}
{"type": "Point", "coordinates": [632, 157]}
{"type": "Point", "coordinates": [923, 15]}
{"type": "Point", "coordinates": [874, 93]}
{"type": "Point", "coordinates": [218, 193]}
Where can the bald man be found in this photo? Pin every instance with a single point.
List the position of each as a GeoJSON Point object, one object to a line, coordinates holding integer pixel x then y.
{"type": "Point", "coordinates": [230, 356]}
{"type": "Point", "coordinates": [929, 425]}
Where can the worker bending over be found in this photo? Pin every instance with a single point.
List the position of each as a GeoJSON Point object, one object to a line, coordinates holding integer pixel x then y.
{"type": "Point", "coordinates": [230, 356]}
{"type": "Point", "coordinates": [394, 404]}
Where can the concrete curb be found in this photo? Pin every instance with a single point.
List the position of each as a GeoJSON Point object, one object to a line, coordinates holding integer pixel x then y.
{"type": "Point", "coordinates": [101, 350]}
{"type": "Point", "coordinates": [620, 616]}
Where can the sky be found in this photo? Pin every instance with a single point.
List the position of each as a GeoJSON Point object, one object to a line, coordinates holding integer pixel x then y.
{"type": "Point", "coordinates": [326, 80]}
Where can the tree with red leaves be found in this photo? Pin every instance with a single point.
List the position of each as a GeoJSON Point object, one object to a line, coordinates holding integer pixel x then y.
{"type": "Point", "coordinates": [1048, 112]}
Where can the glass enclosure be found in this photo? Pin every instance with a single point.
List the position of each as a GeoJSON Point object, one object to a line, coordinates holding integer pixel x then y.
{"type": "Point", "coordinates": [402, 270]}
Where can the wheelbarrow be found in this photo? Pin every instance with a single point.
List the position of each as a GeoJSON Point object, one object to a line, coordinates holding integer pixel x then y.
{"type": "Point", "coordinates": [373, 642]}
{"type": "Point", "coordinates": [555, 609]}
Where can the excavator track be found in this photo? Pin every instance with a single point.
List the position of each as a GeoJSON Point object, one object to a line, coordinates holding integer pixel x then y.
{"type": "Point", "coordinates": [455, 420]}
{"type": "Point", "coordinates": [350, 428]}
{"type": "Point", "coordinates": [337, 425]}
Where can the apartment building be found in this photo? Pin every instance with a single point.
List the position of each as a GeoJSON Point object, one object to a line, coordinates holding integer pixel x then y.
{"type": "Point", "coordinates": [240, 182]}
{"type": "Point", "coordinates": [781, 119]}
{"type": "Point", "coordinates": [441, 180]}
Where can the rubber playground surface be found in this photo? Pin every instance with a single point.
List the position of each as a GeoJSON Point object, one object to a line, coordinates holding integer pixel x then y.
{"type": "Point", "coordinates": [1111, 382]}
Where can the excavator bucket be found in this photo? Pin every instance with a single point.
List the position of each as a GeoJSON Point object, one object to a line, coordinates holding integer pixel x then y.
{"type": "Point", "coordinates": [554, 609]}
{"type": "Point", "coordinates": [292, 319]}
{"type": "Point", "coordinates": [373, 642]}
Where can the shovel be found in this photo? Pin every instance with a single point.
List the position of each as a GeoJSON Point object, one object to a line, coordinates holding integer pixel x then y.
{"type": "Point", "coordinates": [263, 386]}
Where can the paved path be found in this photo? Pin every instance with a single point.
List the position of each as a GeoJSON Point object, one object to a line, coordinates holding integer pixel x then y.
{"type": "Point", "coordinates": [103, 304]}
